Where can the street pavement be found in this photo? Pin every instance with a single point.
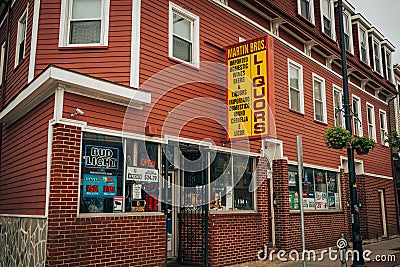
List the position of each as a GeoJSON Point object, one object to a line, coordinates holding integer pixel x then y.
{"type": "Point", "coordinates": [383, 253]}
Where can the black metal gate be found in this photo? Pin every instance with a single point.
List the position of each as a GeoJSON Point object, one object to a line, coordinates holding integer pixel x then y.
{"type": "Point", "coordinates": [193, 216]}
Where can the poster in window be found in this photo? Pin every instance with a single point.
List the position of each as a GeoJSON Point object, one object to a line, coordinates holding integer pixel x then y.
{"type": "Point", "coordinates": [292, 179]}
{"type": "Point", "coordinates": [100, 157]}
{"type": "Point", "coordinates": [337, 201]}
{"type": "Point", "coordinates": [331, 200]}
{"type": "Point", "coordinates": [321, 200]}
{"type": "Point", "coordinates": [99, 186]}
{"type": "Point", "coordinates": [294, 200]}
{"type": "Point", "coordinates": [136, 191]}
{"type": "Point", "coordinates": [117, 203]}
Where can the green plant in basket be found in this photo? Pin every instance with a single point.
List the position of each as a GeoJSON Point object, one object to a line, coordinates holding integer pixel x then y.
{"type": "Point", "coordinates": [337, 137]}
{"type": "Point", "coordinates": [362, 144]}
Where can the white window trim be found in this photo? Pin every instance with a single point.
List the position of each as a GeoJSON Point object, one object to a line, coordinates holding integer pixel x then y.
{"type": "Point", "coordinates": [373, 134]}
{"type": "Point", "coordinates": [360, 27]}
{"type": "Point", "coordinates": [332, 17]}
{"type": "Point", "coordinates": [301, 88]}
{"type": "Point", "coordinates": [323, 95]}
{"type": "Point", "coordinates": [66, 10]}
{"type": "Point", "coordinates": [25, 13]}
{"type": "Point", "coordinates": [196, 33]}
{"type": "Point", "coordinates": [2, 61]}
{"type": "Point", "coordinates": [360, 115]}
{"type": "Point", "coordinates": [375, 40]}
{"type": "Point", "coordinates": [384, 125]}
{"type": "Point", "coordinates": [386, 50]}
{"type": "Point", "coordinates": [340, 90]}
{"type": "Point", "coordinates": [350, 25]}
{"type": "Point", "coordinates": [312, 17]}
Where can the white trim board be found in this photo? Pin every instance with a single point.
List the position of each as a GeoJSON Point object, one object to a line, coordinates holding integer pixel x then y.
{"type": "Point", "coordinates": [43, 86]}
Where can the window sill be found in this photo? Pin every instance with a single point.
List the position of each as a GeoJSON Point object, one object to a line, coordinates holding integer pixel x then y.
{"type": "Point", "coordinates": [233, 212]}
{"type": "Point", "coordinates": [94, 47]}
{"type": "Point", "coordinates": [296, 112]}
{"type": "Point", "coordinates": [120, 214]}
{"type": "Point", "coordinates": [295, 212]}
{"type": "Point", "coordinates": [321, 122]}
{"type": "Point", "coordinates": [186, 64]}
{"type": "Point", "coordinates": [304, 19]}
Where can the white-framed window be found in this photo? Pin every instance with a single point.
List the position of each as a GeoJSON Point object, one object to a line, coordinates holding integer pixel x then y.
{"type": "Point", "coordinates": [371, 121]}
{"type": "Point", "coordinates": [306, 9]}
{"type": "Point", "coordinates": [296, 94]}
{"type": "Point", "coordinates": [338, 106]}
{"type": "Point", "coordinates": [21, 38]}
{"type": "Point", "coordinates": [84, 23]}
{"type": "Point", "coordinates": [377, 56]}
{"type": "Point", "coordinates": [348, 33]}
{"type": "Point", "coordinates": [389, 67]}
{"type": "Point", "coordinates": [2, 61]}
{"type": "Point", "coordinates": [357, 118]}
{"type": "Point", "coordinates": [383, 126]}
{"type": "Point", "coordinates": [327, 18]}
{"type": "Point", "coordinates": [183, 35]}
{"type": "Point", "coordinates": [363, 42]}
{"type": "Point", "coordinates": [319, 98]}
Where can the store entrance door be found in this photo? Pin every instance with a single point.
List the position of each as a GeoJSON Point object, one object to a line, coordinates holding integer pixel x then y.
{"type": "Point", "coordinates": [172, 218]}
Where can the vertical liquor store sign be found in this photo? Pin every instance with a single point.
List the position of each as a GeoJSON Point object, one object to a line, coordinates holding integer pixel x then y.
{"type": "Point", "coordinates": [247, 89]}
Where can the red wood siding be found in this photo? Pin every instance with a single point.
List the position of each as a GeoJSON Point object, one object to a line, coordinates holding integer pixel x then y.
{"type": "Point", "coordinates": [111, 63]}
{"type": "Point", "coordinates": [17, 77]}
{"type": "Point", "coordinates": [24, 162]}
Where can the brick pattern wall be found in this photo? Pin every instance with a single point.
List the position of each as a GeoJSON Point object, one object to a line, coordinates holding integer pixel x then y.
{"type": "Point", "coordinates": [263, 199]}
{"type": "Point", "coordinates": [234, 238]}
{"type": "Point", "coordinates": [107, 240]}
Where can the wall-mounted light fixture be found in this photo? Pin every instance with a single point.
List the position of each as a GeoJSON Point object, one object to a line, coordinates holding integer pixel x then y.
{"type": "Point", "coordinates": [77, 112]}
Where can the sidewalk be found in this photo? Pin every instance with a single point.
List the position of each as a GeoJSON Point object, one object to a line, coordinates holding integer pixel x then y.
{"type": "Point", "coordinates": [385, 253]}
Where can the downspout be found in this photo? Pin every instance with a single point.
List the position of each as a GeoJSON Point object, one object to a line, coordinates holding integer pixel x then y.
{"type": "Point", "coordinates": [393, 170]}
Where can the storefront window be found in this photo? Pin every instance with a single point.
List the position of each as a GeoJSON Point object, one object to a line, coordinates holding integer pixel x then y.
{"type": "Point", "coordinates": [320, 190]}
{"type": "Point", "coordinates": [230, 179]}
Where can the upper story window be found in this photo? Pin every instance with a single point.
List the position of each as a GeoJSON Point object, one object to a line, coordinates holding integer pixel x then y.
{"type": "Point", "coordinates": [328, 24]}
{"type": "Point", "coordinates": [295, 74]}
{"type": "Point", "coordinates": [338, 105]}
{"type": "Point", "coordinates": [388, 61]}
{"type": "Point", "coordinates": [348, 35]}
{"type": "Point", "coordinates": [84, 22]}
{"type": "Point", "coordinates": [2, 55]}
{"type": "Point", "coordinates": [319, 98]}
{"type": "Point", "coordinates": [363, 41]}
{"type": "Point", "coordinates": [306, 9]}
{"type": "Point", "coordinates": [371, 122]}
{"type": "Point", "coordinates": [357, 119]}
{"type": "Point", "coordinates": [383, 126]}
{"type": "Point", "coordinates": [377, 56]}
{"type": "Point", "coordinates": [21, 38]}
{"type": "Point", "coordinates": [183, 35]}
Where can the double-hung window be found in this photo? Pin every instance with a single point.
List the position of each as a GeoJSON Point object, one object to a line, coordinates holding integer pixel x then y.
{"type": "Point", "coordinates": [363, 40]}
{"type": "Point", "coordinates": [183, 35]}
{"type": "Point", "coordinates": [21, 38]}
{"type": "Point", "coordinates": [348, 37]}
{"type": "Point", "coordinates": [306, 9]}
{"type": "Point", "coordinates": [338, 106]}
{"type": "Point", "coordinates": [319, 98]}
{"type": "Point", "coordinates": [371, 121]}
{"type": "Point", "coordinates": [377, 57]}
{"type": "Point", "coordinates": [2, 61]}
{"type": "Point", "coordinates": [84, 22]}
{"type": "Point", "coordinates": [388, 60]}
{"type": "Point", "coordinates": [357, 119]}
{"type": "Point", "coordinates": [383, 126]}
{"type": "Point", "coordinates": [295, 73]}
{"type": "Point", "coordinates": [328, 25]}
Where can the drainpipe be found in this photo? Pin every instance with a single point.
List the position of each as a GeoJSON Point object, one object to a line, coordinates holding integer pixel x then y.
{"type": "Point", "coordinates": [394, 170]}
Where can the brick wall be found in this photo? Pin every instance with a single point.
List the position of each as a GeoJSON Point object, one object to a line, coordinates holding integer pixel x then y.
{"type": "Point", "coordinates": [107, 240]}
{"type": "Point", "coordinates": [234, 238]}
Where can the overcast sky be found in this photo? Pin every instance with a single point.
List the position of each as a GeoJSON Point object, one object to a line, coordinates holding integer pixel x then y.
{"type": "Point", "coordinates": [384, 15]}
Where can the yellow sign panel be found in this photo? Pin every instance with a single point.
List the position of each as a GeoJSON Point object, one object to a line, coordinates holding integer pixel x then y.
{"type": "Point", "coordinates": [246, 94]}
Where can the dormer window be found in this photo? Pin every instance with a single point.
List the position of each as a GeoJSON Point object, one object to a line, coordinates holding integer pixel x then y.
{"type": "Point", "coordinates": [363, 40]}
{"type": "Point", "coordinates": [377, 56]}
{"type": "Point", "coordinates": [327, 18]}
{"type": "Point", "coordinates": [389, 71]}
{"type": "Point", "coordinates": [348, 36]}
{"type": "Point", "coordinates": [306, 9]}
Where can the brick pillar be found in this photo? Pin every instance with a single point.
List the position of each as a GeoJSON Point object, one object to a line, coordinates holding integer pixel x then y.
{"type": "Point", "coordinates": [281, 192]}
{"type": "Point", "coordinates": [345, 195]}
{"type": "Point", "coordinates": [263, 199]}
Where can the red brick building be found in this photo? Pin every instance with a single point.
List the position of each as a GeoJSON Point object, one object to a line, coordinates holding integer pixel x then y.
{"type": "Point", "coordinates": [113, 137]}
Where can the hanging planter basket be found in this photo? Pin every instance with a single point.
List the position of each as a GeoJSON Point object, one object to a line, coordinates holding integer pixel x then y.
{"type": "Point", "coordinates": [361, 151]}
{"type": "Point", "coordinates": [337, 137]}
{"type": "Point", "coordinates": [362, 145]}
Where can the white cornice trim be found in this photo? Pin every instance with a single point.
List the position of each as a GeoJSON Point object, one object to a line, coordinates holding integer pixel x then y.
{"type": "Point", "coordinates": [44, 86]}
{"type": "Point", "coordinates": [135, 44]}
{"type": "Point", "coordinates": [378, 176]}
{"type": "Point", "coordinates": [35, 28]}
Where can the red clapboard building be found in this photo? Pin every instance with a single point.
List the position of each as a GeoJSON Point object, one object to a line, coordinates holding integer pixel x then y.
{"type": "Point", "coordinates": [122, 146]}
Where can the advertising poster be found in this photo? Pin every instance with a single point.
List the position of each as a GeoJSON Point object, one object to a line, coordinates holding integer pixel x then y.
{"type": "Point", "coordinates": [117, 203]}
{"type": "Point", "coordinates": [331, 200]}
{"type": "Point", "coordinates": [247, 89]}
{"type": "Point", "coordinates": [99, 186]}
{"type": "Point", "coordinates": [100, 157]}
{"type": "Point", "coordinates": [292, 178]}
{"type": "Point", "coordinates": [294, 200]}
{"type": "Point", "coordinates": [142, 175]}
